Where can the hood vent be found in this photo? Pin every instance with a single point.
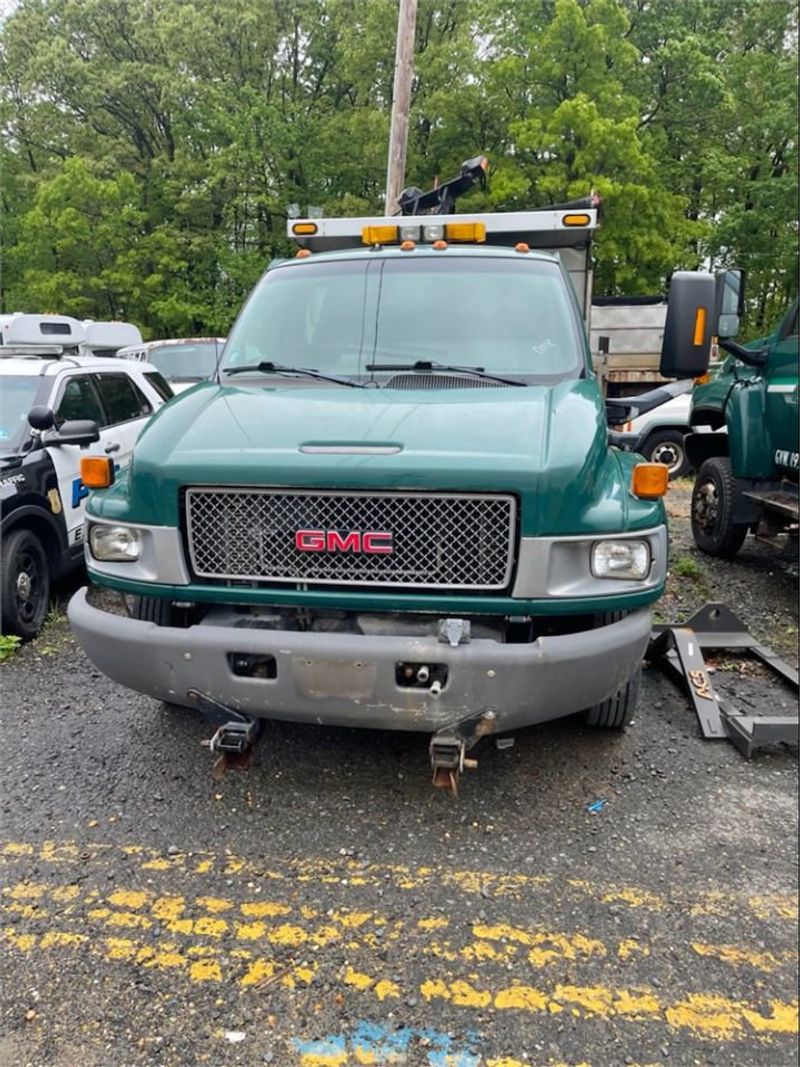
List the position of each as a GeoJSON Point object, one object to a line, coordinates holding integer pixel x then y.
{"type": "Point", "coordinates": [435, 380]}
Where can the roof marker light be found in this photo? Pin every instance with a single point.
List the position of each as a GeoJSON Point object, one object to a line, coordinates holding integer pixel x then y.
{"type": "Point", "coordinates": [440, 246]}
{"type": "Point", "coordinates": [407, 246]}
{"type": "Point", "coordinates": [466, 231]}
{"type": "Point", "coordinates": [379, 235]}
{"type": "Point", "coordinates": [521, 247]}
{"type": "Point", "coordinates": [303, 253]}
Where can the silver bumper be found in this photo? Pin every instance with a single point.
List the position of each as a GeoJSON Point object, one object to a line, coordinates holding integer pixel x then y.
{"type": "Point", "coordinates": [349, 679]}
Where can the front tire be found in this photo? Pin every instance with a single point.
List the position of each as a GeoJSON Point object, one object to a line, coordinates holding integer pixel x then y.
{"type": "Point", "coordinates": [617, 711]}
{"type": "Point", "coordinates": [667, 447]}
{"type": "Point", "coordinates": [714, 499]}
{"type": "Point", "coordinates": [25, 585]}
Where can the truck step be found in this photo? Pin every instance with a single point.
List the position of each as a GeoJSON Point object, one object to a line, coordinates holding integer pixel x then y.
{"type": "Point", "coordinates": [785, 503]}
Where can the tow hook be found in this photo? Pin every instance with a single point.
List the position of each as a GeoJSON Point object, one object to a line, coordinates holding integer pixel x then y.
{"type": "Point", "coordinates": [449, 747]}
{"type": "Point", "coordinates": [234, 739]}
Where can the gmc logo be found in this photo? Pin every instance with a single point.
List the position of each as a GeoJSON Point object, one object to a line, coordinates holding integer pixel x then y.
{"type": "Point", "coordinates": [372, 542]}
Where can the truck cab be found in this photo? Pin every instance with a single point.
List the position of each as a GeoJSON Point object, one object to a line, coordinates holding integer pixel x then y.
{"type": "Point", "coordinates": [396, 504]}
{"type": "Point", "coordinates": [747, 477]}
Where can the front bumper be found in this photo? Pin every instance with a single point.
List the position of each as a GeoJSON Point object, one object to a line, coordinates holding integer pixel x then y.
{"type": "Point", "coordinates": [345, 679]}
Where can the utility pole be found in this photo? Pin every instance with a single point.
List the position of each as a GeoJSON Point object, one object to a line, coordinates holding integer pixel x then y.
{"type": "Point", "coordinates": [401, 101]}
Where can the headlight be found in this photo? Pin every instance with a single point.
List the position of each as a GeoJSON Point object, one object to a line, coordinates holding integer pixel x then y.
{"type": "Point", "coordinates": [114, 543]}
{"type": "Point", "coordinates": [621, 559]}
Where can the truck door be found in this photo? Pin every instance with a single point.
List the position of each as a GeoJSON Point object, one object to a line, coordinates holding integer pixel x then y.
{"type": "Point", "coordinates": [120, 409]}
{"type": "Point", "coordinates": [126, 409]}
{"type": "Point", "coordinates": [782, 403]}
{"type": "Point", "coordinates": [76, 398]}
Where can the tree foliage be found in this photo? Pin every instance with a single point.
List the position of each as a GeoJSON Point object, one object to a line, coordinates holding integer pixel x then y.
{"type": "Point", "coordinates": [152, 148]}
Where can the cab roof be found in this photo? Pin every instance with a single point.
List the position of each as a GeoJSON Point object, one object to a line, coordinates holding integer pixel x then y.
{"type": "Point", "coordinates": [485, 251]}
{"type": "Point", "coordinates": [36, 365]}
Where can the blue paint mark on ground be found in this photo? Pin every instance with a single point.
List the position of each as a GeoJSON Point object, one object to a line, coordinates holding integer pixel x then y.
{"type": "Point", "coordinates": [384, 1045]}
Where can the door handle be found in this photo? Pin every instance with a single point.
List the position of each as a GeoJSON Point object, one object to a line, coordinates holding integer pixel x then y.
{"type": "Point", "coordinates": [113, 448]}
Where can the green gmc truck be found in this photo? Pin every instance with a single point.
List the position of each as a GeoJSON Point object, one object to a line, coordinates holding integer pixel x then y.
{"type": "Point", "coordinates": [747, 468]}
{"type": "Point", "coordinates": [396, 505]}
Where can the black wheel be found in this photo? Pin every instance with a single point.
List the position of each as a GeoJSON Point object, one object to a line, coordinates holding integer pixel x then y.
{"type": "Point", "coordinates": [617, 711]}
{"type": "Point", "coordinates": [667, 447]}
{"type": "Point", "coordinates": [25, 584]}
{"type": "Point", "coordinates": [714, 501]}
{"type": "Point", "coordinates": [153, 609]}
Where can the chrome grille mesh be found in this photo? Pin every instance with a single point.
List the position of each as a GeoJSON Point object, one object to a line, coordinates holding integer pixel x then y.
{"type": "Point", "coordinates": [453, 541]}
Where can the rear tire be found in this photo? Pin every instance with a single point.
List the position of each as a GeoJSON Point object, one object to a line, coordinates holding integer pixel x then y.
{"type": "Point", "coordinates": [714, 500]}
{"type": "Point", "coordinates": [25, 585]}
{"type": "Point", "coordinates": [667, 447]}
{"type": "Point", "coordinates": [617, 711]}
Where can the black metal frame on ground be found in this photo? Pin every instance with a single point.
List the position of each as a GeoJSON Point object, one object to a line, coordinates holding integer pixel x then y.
{"type": "Point", "coordinates": [678, 651]}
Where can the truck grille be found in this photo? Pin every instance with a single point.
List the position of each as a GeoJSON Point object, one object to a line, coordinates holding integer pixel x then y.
{"type": "Point", "coordinates": [453, 541]}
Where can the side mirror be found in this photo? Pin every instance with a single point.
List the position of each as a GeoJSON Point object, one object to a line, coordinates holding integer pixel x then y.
{"type": "Point", "coordinates": [41, 418]}
{"type": "Point", "coordinates": [686, 347]}
{"type": "Point", "coordinates": [729, 304]}
{"type": "Point", "coordinates": [76, 432]}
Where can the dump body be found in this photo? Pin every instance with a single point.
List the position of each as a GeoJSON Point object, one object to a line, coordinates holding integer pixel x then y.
{"type": "Point", "coordinates": [634, 329]}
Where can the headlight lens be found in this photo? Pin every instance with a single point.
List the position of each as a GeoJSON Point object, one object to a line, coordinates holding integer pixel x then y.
{"type": "Point", "coordinates": [621, 559]}
{"type": "Point", "coordinates": [114, 543]}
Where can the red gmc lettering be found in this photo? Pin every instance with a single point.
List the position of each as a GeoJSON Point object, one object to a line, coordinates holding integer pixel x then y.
{"type": "Point", "coordinates": [310, 540]}
{"type": "Point", "coordinates": [349, 543]}
{"type": "Point", "coordinates": [379, 544]}
{"type": "Point", "coordinates": [373, 542]}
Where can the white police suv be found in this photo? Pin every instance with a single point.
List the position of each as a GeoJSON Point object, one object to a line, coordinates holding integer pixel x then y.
{"type": "Point", "coordinates": [56, 406]}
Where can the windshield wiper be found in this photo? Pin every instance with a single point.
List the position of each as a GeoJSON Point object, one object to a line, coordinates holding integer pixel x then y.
{"type": "Point", "coordinates": [266, 367]}
{"type": "Point", "coordinates": [432, 365]}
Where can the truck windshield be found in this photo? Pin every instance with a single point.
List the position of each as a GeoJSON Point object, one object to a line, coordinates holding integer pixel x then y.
{"type": "Point", "coordinates": [185, 362]}
{"type": "Point", "coordinates": [510, 316]}
{"type": "Point", "coordinates": [17, 397]}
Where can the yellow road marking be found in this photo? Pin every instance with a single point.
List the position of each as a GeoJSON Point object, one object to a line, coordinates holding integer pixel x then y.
{"type": "Point", "coordinates": [499, 942]}
{"type": "Point", "coordinates": [761, 961]}
{"type": "Point", "coordinates": [706, 1015]}
{"type": "Point", "coordinates": [500, 963]}
{"type": "Point", "coordinates": [767, 907]}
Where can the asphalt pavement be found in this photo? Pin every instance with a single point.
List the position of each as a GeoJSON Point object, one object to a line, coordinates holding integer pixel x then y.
{"type": "Point", "coordinates": [587, 900]}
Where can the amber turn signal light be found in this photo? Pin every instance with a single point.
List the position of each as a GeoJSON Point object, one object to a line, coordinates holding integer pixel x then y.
{"type": "Point", "coordinates": [650, 480]}
{"type": "Point", "coordinates": [97, 472]}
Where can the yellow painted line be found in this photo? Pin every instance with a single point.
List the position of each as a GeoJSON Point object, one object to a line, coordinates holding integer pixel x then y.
{"type": "Point", "coordinates": [707, 1015]}
{"type": "Point", "coordinates": [288, 926]}
{"type": "Point", "coordinates": [738, 957]}
{"type": "Point", "coordinates": [349, 873]}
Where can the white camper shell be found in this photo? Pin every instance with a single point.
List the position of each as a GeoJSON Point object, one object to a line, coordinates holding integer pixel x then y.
{"type": "Point", "coordinates": [53, 334]}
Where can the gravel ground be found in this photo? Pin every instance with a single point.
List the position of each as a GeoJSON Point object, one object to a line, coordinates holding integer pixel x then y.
{"type": "Point", "coordinates": [327, 907]}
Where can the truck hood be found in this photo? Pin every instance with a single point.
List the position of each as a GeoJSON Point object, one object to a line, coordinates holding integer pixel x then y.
{"type": "Point", "coordinates": [546, 444]}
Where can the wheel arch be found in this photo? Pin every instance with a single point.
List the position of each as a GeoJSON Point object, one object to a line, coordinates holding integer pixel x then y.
{"type": "Point", "coordinates": [45, 527]}
{"type": "Point", "coordinates": [703, 446]}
